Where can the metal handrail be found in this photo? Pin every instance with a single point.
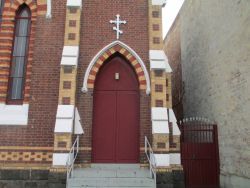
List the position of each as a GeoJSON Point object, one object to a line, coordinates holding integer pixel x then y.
{"type": "Point", "coordinates": [151, 159]}
{"type": "Point", "coordinates": [72, 157]}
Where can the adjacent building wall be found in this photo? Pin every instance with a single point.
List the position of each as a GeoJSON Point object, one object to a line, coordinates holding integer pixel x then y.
{"type": "Point", "coordinates": [172, 48]}
{"type": "Point", "coordinates": [215, 53]}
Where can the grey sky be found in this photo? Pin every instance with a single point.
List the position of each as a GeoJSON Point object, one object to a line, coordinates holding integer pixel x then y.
{"type": "Point", "coordinates": [170, 11]}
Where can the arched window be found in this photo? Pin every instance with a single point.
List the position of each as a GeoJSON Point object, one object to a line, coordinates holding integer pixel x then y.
{"type": "Point", "coordinates": [19, 55]}
{"type": "Point", "coordinates": [1, 9]}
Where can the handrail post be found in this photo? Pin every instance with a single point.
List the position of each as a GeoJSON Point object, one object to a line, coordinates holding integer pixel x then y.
{"type": "Point", "coordinates": [78, 143]}
{"type": "Point", "coordinates": [151, 159]}
{"type": "Point", "coordinates": [71, 158]}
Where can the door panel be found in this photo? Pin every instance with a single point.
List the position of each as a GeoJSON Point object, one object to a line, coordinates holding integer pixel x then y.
{"type": "Point", "coordinates": [127, 122]}
{"type": "Point", "coordinates": [116, 114]}
{"type": "Point", "coordinates": [104, 126]}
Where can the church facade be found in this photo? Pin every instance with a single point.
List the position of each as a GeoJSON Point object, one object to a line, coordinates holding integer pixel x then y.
{"type": "Point", "coordinates": [91, 71]}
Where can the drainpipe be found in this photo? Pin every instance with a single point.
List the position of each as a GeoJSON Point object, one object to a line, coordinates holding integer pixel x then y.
{"type": "Point", "coordinates": [48, 14]}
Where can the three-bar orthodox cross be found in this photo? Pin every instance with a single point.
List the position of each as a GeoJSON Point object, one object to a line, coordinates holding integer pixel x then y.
{"type": "Point", "coordinates": [118, 22]}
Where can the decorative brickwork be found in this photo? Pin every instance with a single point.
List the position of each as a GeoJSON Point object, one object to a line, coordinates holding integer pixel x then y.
{"type": "Point", "coordinates": [72, 23]}
{"type": "Point", "coordinates": [158, 91]}
{"type": "Point", "coordinates": [6, 43]}
{"type": "Point", "coordinates": [91, 44]}
{"type": "Point", "coordinates": [68, 76]}
{"type": "Point", "coordinates": [158, 88]}
{"type": "Point", "coordinates": [66, 101]}
{"type": "Point", "coordinates": [41, 89]}
{"type": "Point", "coordinates": [159, 103]}
{"type": "Point", "coordinates": [41, 7]}
{"type": "Point", "coordinates": [66, 84]}
{"type": "Point", "coordinates": [72, 36]}
{"type": "Point", "coordinates": [156, 40]}
{"type": "Point", "coordinates": [164, 141]}
{"type": "Point", "coordinates": [62, 142]}
{"type": "Point", "coordinates": [132, 59]}
{"type": "Point", "coordinates": [25, 156]}
{"type": "Point", "coordinates": [158, 73]}
{"type": "Point", "coordinates": [168, 84]}
{"type": "Point", "coordinates": [47, 86]}
{"type": "Point", "coordinates": [167, 97]}
{"type": "Point", "coordinates": [67, 69]}
{"type": "Point", "coordinates": [155, 14]}
{"type": "Point", "coordinates": [72, 10]}
{"type": "Point", "coordinates": [156, 27]}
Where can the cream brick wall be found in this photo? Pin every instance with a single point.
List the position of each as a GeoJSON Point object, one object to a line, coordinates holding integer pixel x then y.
{"type": "Point", "coordinates": [67, 92]}
{"type": "Point", "coordinates": [72, 16]}
{"type": "Point", "coordinates": [215, 48]}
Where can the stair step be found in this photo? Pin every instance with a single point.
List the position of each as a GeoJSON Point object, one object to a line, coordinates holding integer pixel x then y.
{"type": "Point", "coordinates": [111, 182]}
{"type": "Point", "coordinates": [111, 175]}
{"type": "Point", "coordinates": [120, 173]}
{"type": "Point", "coordinates": [115, 166]}
{"type": "Point", "coordinates": [112, 187]}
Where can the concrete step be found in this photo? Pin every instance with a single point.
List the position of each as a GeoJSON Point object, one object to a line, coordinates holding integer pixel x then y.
{"type": "Point", "coordinates": [115, 166]}
{"type": "Point", "coordinates": [111, 182]}
{"type": "Point", "coordinates": [112, 175]}
{"type": "Point", "coordinates": [108, 173]}
{"type": "Point", "coordinates": [108, 187]}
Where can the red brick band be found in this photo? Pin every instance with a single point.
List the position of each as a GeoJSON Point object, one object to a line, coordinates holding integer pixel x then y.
{"type": "Point", "coordinates": [125, 53]}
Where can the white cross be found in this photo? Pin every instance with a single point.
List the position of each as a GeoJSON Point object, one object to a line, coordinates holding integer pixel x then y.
{"type": "Point", "coordinates": [118, 22]}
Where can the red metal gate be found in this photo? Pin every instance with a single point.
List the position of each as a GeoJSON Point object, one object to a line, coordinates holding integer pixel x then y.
{"type": "Point", "coordinates": [199, 153]}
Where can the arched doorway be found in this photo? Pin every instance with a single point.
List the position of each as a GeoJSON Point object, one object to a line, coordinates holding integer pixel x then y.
{"type": "Point", "coordinates": [116, 113]}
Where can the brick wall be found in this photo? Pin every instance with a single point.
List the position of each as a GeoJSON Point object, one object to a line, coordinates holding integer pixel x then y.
{"type": "Point", "coordinates": [172, 48]}
{"type": "Point", "coordinates": [96, 33]}
{"type": "Point", "coordinates": [37, 137]}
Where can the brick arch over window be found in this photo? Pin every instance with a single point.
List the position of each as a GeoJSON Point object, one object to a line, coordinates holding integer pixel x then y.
{"type": "Point", "coordinates": [128, 53]}
{"type": "Point", "coordinates": [6, 43]}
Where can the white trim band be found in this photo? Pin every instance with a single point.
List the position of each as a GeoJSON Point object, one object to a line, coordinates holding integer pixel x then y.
{"type": "Point", "coordinates": [64, 119]}
{"type": "Point", "coordinates": [159, 114]}
{"type": "Point", "coordinates": [159, 61]}
{"type": "Point", "coordinates": [70, 55]}
{"type": "Point", "coordinates": [74, 3]}
{"type": "Point", "coordinates": [78, 126]}
{"type": "Point", "coordinates": [175, 158]}
{"type": "Point", "coordinates": [162, 160]}
{"type": "Point", "coordinates": [93, 61]}
{"type": "Point", "coordinates": [14, 114]}
{"type": "Point", "coordinates": [60, 159]}
{"type": "Point", "coordinates": [49, 14]}
{"type": "Point", "coordinates": [172, 118]}
{"type": "Point", "coordinates": [160, 118]}
{"type": "Point", "coordinates": [159, 2]}
{"type": "Point", "coordinates": [165, 160]}
{"type": "Point", "coordinates": [160, 127]}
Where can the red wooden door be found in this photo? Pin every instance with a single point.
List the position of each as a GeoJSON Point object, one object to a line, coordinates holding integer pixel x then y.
{"type": "Point", "coordinates": [116, 114]}
{"type": "Point", "coordinates": [199, 153]}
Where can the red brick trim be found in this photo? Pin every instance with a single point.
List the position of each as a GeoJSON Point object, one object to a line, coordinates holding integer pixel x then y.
{"type": "Point", "coordinates": [6, 42]}
{"type": "Point", "coordinates": [126, 54]}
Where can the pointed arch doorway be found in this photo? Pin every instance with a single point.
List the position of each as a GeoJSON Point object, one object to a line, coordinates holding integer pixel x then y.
{"type": "Point", "coordinates": [116, 113]}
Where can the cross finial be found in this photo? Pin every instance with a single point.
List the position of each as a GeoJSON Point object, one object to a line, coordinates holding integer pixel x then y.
{"type": "Point", "coordinates": [118, 22]}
